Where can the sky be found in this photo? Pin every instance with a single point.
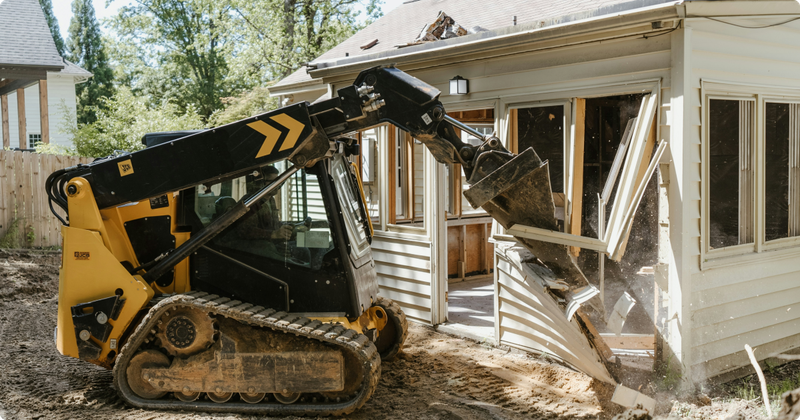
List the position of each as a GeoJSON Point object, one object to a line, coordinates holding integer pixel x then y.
{"type": "Point", "coordinates": [63, 10]}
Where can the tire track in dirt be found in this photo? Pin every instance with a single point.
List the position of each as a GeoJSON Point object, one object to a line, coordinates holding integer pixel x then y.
{"type": "Point", "coordinates": [435, 377]}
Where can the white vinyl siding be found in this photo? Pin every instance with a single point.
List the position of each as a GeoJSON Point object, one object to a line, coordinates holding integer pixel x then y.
{"type": "Point", "coordinates": [751, 299]}
{"type": "Point", "coordinates": [404, 273]}
{"type": "Point", "coordinates": [529, 318]}
{"type": "Point", "coordinates": [61, 108]}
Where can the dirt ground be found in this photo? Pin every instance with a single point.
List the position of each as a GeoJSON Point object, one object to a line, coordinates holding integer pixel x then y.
{"type": "Point", "coordinates": [436, 377]}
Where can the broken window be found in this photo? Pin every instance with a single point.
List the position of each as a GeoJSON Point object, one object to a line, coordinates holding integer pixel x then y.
{"type": "Point", "coordinates": [730, 173]}
{"type": "Point", "coordinates": [637, 163]}
{"type": "Point", "coordinates": [781, 174]}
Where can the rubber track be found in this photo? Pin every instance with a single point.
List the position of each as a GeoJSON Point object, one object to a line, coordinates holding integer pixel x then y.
{"type": "Point", "coordinates": [257, 316]}
{"type": "Point", "coordinates": [392, 306]}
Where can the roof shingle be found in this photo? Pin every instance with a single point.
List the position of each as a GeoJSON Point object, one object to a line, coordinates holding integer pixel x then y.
{"type": "Point", "coordinates": [25, 38]}
{"type": "Point", "coordinates": [404, 23]}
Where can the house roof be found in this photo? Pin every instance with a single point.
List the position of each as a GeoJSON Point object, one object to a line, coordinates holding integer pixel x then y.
{"type": "Point", "coordinates": [75, 70]}
{"type": "Point", "coordinates": [25, 38]}
{"type": "Point", "coordinates": [403, 24]}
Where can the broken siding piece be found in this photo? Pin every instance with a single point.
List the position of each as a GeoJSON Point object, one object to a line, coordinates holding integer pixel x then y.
{"type": "Point", "coordinates": [530, 317]}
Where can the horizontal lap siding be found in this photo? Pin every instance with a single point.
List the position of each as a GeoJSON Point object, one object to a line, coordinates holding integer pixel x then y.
{"type": "Point", "coordinates": [404, 274]}
{"type": "Point", "coordinates": [530, 319]}
{"type": "Point", "coordinates": [755, 303]}
{"type": "Point", "coordinates": [61, 107]}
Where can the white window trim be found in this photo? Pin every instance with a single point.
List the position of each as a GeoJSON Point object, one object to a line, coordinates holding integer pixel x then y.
{"type": "Point", "coordinates": [742, 254]}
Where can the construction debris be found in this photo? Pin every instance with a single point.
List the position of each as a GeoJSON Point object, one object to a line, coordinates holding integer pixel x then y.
{"type": "Point", "coordinates": [444, 27]}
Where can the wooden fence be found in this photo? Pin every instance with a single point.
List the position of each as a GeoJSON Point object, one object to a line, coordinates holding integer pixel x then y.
{"type": "Point", "coordinates": [25, 217]}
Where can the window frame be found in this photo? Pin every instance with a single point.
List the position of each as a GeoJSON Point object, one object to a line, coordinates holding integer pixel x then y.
{"type": "Point", "coordinates": [760, 95]}
{"type": "Point", "coordinates": [613, 248]}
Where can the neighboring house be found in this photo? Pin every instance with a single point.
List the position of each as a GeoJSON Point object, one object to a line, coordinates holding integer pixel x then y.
{"type": "Point", "coordinates": [713, 257]}
{"type": "Point", "coordinates": [34, 79]}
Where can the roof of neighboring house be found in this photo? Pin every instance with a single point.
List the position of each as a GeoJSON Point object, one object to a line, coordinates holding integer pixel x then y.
{"type": "Point", "coordinates": [25, 38]}
{"type": "Point", "coordinates": [73, 69]}
{"type": "Point", "coordinates": [403, 24]}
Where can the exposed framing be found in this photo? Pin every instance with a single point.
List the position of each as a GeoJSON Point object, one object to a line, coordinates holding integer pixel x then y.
{"type": "Point", "coordinates": [633, 175]}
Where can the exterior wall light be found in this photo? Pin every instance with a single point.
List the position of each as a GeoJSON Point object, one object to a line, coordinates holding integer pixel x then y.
{"type": "Point", "coordinates": [459, 86]}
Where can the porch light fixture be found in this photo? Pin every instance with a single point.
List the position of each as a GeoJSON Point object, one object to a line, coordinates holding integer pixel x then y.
{"type": "Point", "coordinates": [459, 86]}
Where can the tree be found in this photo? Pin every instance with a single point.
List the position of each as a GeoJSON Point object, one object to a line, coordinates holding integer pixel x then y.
{"type": "Point", "coordinates": [247, 104]}
{"type": "Point", "coordinates": [52, 22]}
{"type": "Point", "coordinates": [177, 46]}
{"type": "Point", "coordinates": [85, 48]}
{"type": "Point", "coordinates": [120, 125]}
{"type": "Point", "coordinates": [277, 36]}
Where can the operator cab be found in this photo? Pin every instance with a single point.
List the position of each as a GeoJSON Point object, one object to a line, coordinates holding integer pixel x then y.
{"type": "Point", "coordinates": [303, 249]}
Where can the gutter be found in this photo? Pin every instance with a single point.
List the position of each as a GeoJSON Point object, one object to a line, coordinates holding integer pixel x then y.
{"type": "Point", "coordinates": [606, 18]}
{"type": "Point", "coordinates": [304, 86]}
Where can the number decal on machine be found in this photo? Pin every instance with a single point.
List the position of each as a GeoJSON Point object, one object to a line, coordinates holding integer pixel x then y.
{"type": "Point", "coordinates": [125, 167]}
{"type": "Point", "coordinates": [82, 256]}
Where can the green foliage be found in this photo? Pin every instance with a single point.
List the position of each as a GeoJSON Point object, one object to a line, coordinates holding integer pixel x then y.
{"type": "Point", "coordinates": [667, 376]}
{"type": "Point", "coordinates": [10, 238]}
{"type": "Point", "coordinates": [120, 125]}
{"type": "Point", "coordinates": [176, 49]}
{"type": "Point", "coordinates": [30, 236]}
{"type": "Point", "coordinates": [253, 102]}
{"type": "Point", "coordinates": [277, 36]}
{"type": "Point", "coordinates": [85, 48]}
{"type": "Point", "coordinates": [52, 22]}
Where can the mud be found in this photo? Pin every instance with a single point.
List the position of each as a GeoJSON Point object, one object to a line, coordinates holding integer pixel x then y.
{"type": "Point", "coordinates": [436, 376]}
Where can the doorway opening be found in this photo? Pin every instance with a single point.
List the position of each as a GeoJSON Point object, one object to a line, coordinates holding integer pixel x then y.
{"type": "Point", "coordinates": [470, 255]}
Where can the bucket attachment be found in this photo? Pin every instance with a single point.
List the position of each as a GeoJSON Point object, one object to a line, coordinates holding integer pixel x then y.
{"type": "Point", "coordinates": [519, 192]}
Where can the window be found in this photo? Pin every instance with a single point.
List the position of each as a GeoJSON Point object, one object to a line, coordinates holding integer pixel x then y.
{"type": "Point", "coordinates": [407, 179]}
{"type": "Point", "coordinates": [781, 170]}
{"type": "Point", "coordinates": [751, 177]}
{"type": "Point", "coordinates": [731, 175]}
{"type": "Point", "coordinates": [370, 170]}
{"type": "Point", "coordinates": [482, 120]}
{"type": "Point", "coordinates": [291, 227]}
{"type": "Point", "coordinates": [33, 139]}
{"type": "Point", "coordinates": [542, 126]}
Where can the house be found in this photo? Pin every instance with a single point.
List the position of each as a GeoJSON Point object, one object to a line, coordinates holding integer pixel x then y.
{"type": "Point", "coordinates": [711, 258]}
{"type": "Point", "coordinates": [37, 86]}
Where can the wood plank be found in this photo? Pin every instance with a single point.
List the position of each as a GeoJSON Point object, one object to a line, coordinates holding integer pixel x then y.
{"type": "Point", "coordinates": [4, 112]}
{"type": "Point", "coordinates": [44, 113]}
{"type": "Point", "coordinates": [19, 203]}
{"type": "Point", "coordinates": [21, 118]}
{"type": "Point", "coordinates": [44, 209]}
{"type": "Point", "coordinates": [392, 172]}
{"type": "Point", "coordinates": [473, 244]}
{"type": "Point", "coordinates": [513, 131]}
{"type": "Point", "coordinates": [630, 341]}
{"type": "Point", "coordinates": [453, 241]}
{"type": "Point", "coordinates": [410, 175]}
{"type": "Point", "coordinates": [577, 176]}
{"type": "Point", "coordinates": [488, 257]}
{"type": "Point", "coordinates": [5, 193]}
{"type": "Point", "coordinates": [39, 212]}
{"type": "Point", "coordinates": [594, 337]}
{"type": "Point", "coordinates": [45, 169]}
{"type": "Point", "coordinates": [27, 195]}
